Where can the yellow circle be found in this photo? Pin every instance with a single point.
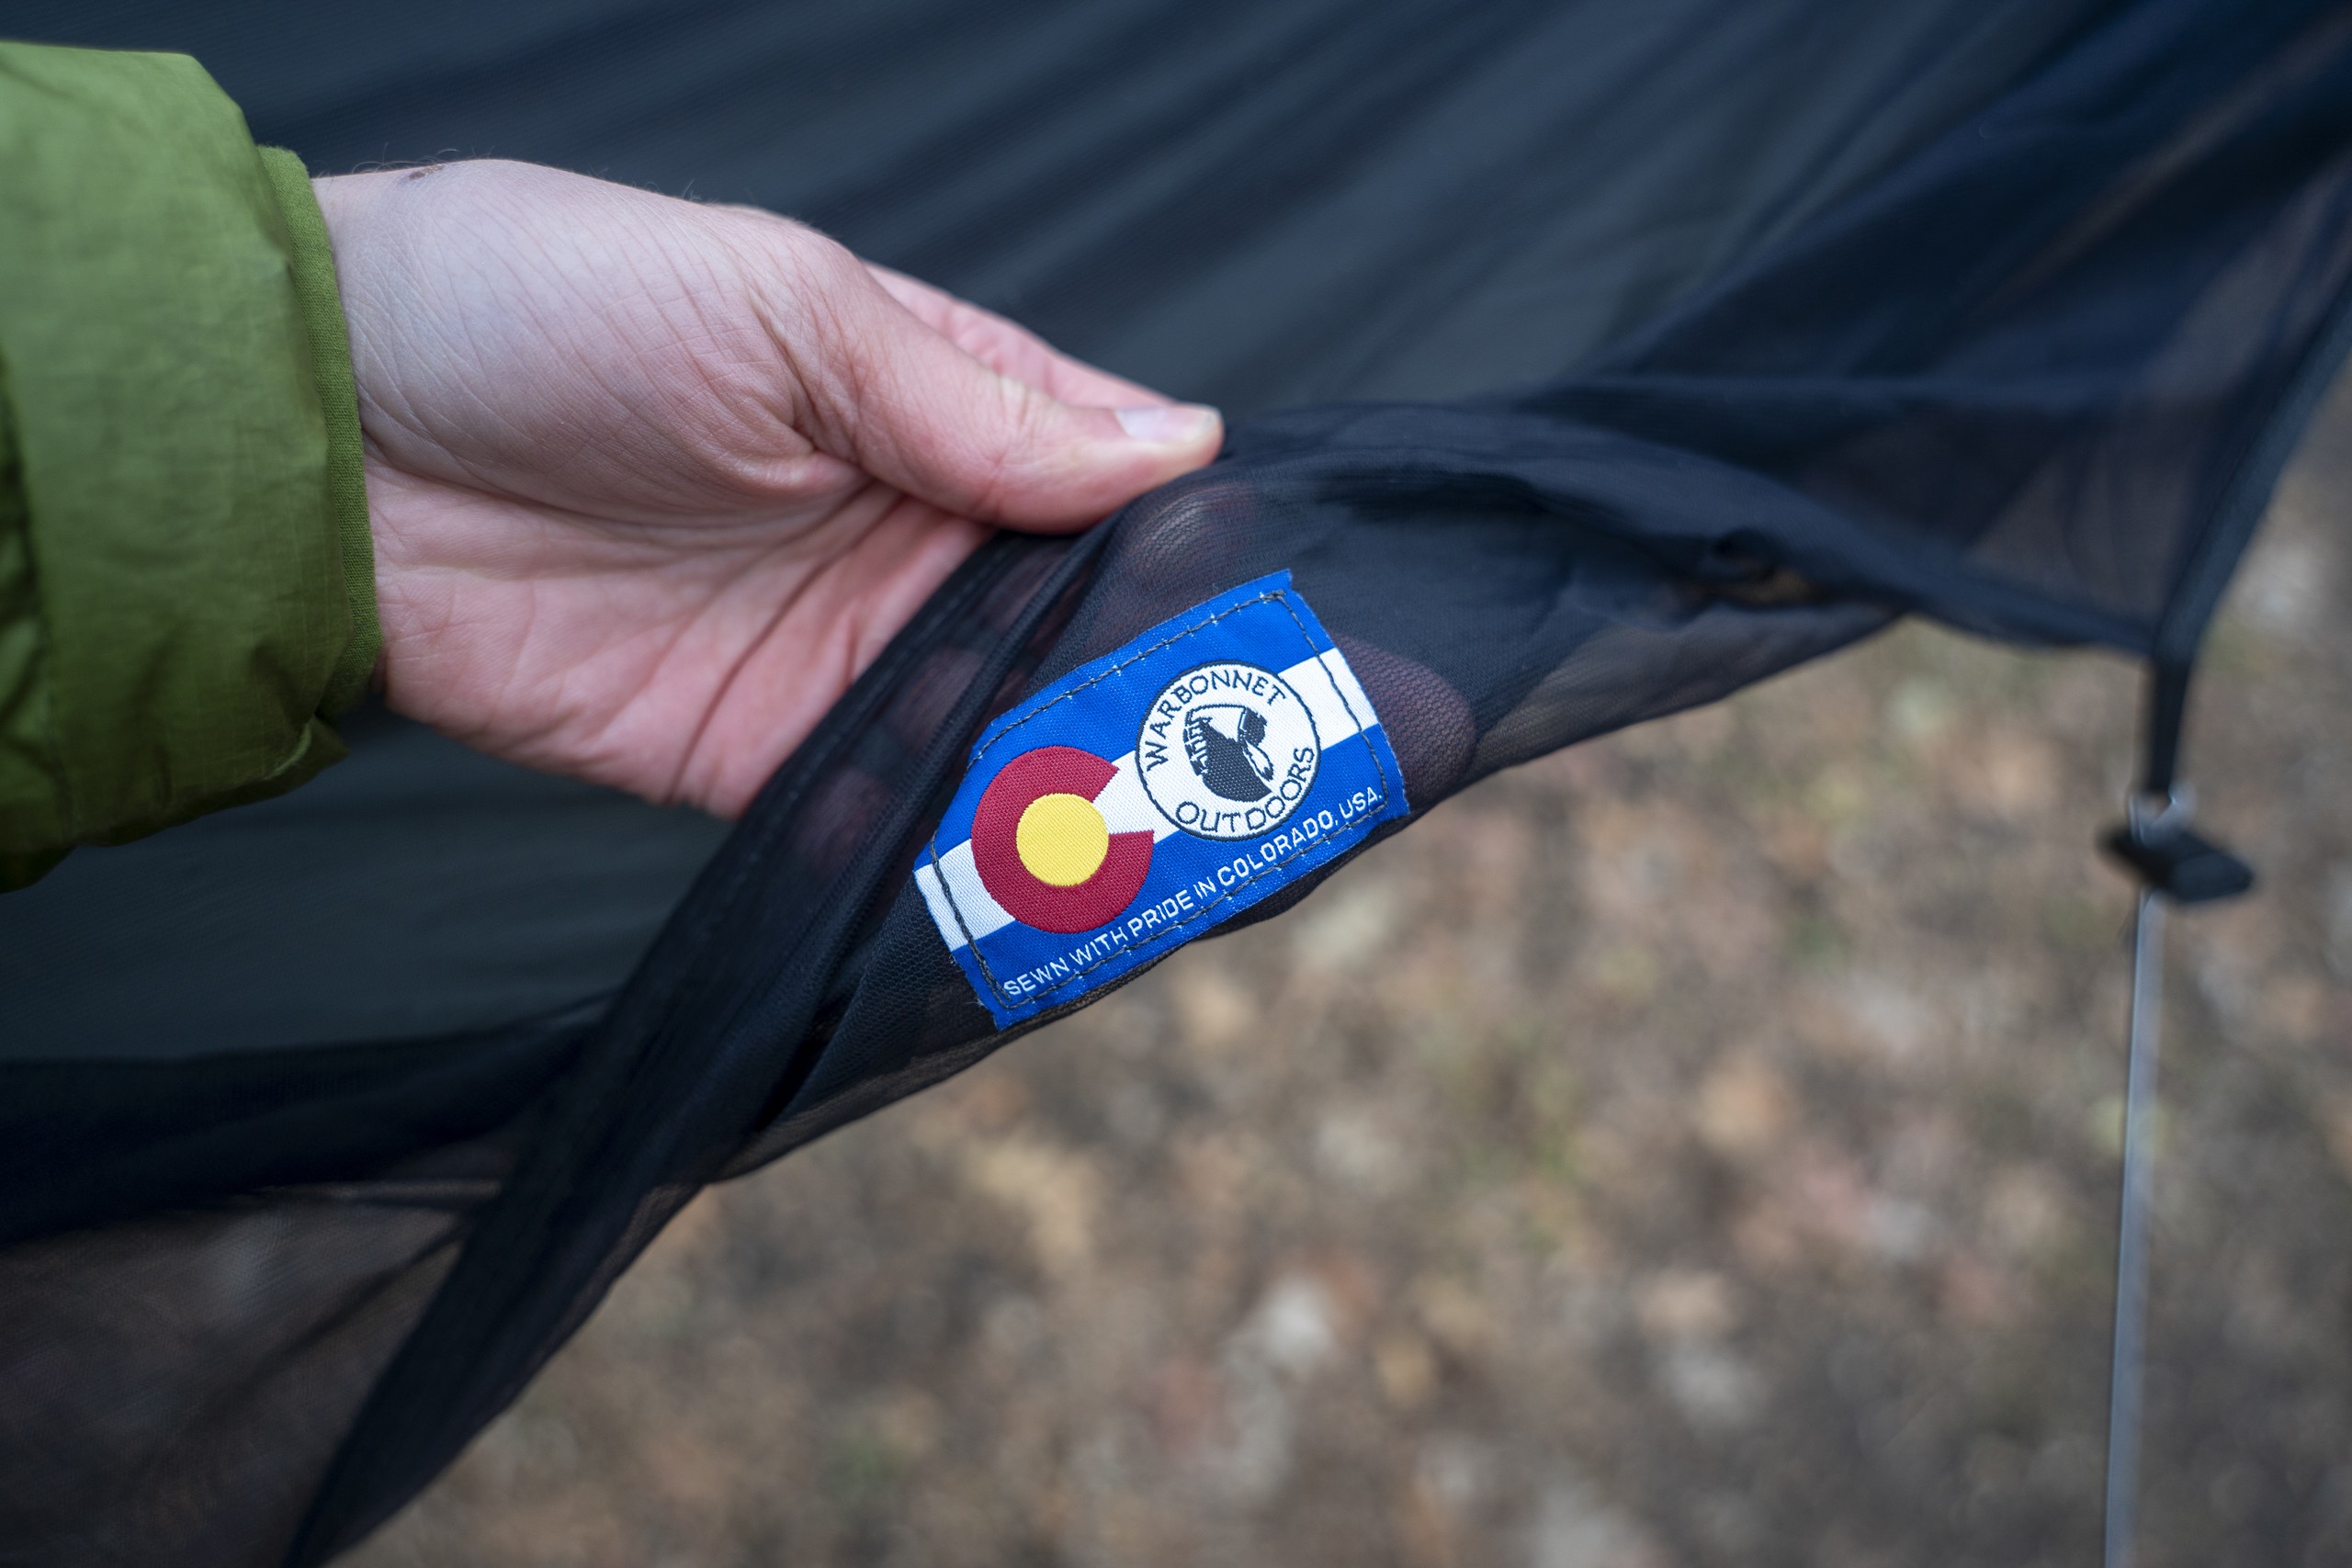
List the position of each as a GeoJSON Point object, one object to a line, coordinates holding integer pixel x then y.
{"type": "Point", "coordinates": [1062, 838]}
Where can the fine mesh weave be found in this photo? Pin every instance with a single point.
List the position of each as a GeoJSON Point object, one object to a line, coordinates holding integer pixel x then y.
{"type": "Point", "coordinates": [2016, 335]}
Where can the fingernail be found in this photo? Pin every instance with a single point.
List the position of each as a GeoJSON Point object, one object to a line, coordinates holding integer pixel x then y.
{"type": "Point", "coordinates": [1169, 426]}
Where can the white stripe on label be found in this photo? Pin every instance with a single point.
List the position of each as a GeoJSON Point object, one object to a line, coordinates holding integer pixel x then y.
{"type": "Point", "coordinates": [981, 914]}
{"type": "Point", "coordinates": [1124, 807]}
{"type": "Point", "coordinates": [1333, 699]}
{"type": "Point", "coordinates": [1328, 689]}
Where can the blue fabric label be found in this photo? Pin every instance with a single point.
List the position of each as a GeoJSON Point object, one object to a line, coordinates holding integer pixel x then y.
{"type": "Point", "coordinates": [1144, 798]}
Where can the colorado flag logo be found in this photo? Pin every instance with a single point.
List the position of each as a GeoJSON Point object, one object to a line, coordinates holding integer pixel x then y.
{"type": "Point", "coordinates": [1143, 798]}
{"type": "Point", "coordinates": [1043, 848]}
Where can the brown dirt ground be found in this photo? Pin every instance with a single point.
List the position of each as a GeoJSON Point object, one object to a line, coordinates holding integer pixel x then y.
{"type": "Point", "coordinates": [1697, 1148]}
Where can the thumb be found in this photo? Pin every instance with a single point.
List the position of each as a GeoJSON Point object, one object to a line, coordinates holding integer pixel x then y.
{"type": "Point", "coordinates": [904, 403]}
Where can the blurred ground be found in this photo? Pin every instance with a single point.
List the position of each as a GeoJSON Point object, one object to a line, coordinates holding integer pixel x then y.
{"type": "Point", "coordinates": [1697, 1148]}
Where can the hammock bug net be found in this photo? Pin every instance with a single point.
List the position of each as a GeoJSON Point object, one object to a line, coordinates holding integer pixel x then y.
{"type": "Point", "coordinates": [1595, 361]}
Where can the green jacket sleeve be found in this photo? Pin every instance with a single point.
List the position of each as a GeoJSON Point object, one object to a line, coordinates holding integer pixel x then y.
{"type": "Point", "coordinates": [187, 585]}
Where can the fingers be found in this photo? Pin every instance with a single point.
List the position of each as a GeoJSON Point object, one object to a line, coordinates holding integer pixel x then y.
{"type": "Point", "coordinates": [1010, 349]}
{"type": "Point", "coordinates": [963, 409]}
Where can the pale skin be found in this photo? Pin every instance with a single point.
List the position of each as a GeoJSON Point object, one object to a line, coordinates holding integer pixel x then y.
{"type": "Point", "coordinates": [652, 482]}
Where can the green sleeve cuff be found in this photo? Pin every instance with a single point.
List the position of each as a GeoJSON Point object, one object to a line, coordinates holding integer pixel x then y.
{"type": "Point", "coordinates": [186, 576]}
{"type": "Point", "coordinates": [321, 303]}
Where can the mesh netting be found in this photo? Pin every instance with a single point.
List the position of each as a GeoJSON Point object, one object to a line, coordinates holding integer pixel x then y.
{"type": "Point", "coordinates": [2002, 314]}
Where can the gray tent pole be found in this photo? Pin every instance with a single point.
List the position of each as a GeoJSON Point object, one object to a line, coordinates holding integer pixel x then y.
{"type": "Point", "coordinates": [2125, 1348]}
{"type": "Point", "coordinates": [2178, 866]}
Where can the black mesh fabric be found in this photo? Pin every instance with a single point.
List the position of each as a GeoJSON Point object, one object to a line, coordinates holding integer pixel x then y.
{"type": "Point", "coordinates": [1713, 337]}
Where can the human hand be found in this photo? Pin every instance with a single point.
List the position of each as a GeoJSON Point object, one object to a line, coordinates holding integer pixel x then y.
{"type": "Point", "coordinates": [652, 482]}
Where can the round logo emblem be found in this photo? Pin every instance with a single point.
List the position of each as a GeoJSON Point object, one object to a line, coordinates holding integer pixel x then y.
{"type": "Point", "coordinates": [1045, 850]}
{"type": "Point", "coordinates": [1227, 750]}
